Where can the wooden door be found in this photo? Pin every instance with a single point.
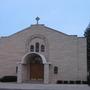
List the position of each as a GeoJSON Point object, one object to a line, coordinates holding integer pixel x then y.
{"type": "Point", "coordinates": [36, 71]}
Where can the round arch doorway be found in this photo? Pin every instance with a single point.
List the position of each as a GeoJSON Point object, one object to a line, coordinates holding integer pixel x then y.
{"type": "Point", "coordinates": [33, 67]}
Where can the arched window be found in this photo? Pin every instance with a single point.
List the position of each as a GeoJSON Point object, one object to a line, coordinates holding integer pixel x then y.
{"type": "Point", "coordinates": [32, 48]}
{"type": "Point", "coordinates": [37, 47]}
{"type": "Point", "coordinates": [42, 48]}
{"type": "Point", "coordinates": [55, 70]}
{"type": "Point", "coordinates": [16, 69]}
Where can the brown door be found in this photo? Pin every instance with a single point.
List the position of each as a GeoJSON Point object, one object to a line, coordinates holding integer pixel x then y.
{"type": "Point", "coordinates": [36, 71]}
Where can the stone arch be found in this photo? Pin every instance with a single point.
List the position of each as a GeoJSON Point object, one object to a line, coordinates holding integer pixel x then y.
{"type": "Point", "coordinates": [27, 44]}
{"type": "Point", "coordinates": [42, 57]}
{"type": "Point", "coordinates": [24, 73]}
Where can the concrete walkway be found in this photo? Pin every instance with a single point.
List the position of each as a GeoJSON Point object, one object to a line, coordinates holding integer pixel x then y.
{"type": "Point", "coordinates": [13, 86]}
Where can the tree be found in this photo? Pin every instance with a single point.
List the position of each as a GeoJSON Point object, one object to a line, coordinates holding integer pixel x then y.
{"type": "Point", "coordinates": [87, 35]}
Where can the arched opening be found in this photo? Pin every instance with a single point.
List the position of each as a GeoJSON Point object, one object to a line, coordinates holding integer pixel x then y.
{"type": "Point", "coordinates": [33, 59]}
{"type": "Point", "coordinates": [35, 67]}
{"type": "Point", "coordinates": [42, 48]}
{"type": "Point", "coordinates": [32, 48]}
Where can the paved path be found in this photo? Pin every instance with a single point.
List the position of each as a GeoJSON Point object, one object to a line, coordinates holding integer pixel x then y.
{"type": "Point", "coordinates": [13, 86]}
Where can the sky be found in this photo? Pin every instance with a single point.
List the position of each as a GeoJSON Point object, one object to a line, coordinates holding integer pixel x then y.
{"type": "Point", "coordinates": [68, 16]}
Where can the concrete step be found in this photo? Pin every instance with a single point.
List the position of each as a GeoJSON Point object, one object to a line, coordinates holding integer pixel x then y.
{"type": "Point", "coordinates": [34, 82]}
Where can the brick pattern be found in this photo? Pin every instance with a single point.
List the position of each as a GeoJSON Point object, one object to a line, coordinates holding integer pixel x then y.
{"type": "Point", "coordinates": [67, 52]}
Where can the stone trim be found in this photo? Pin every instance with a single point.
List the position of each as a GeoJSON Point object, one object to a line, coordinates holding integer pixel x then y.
{"type": "Point", "coordinates": [27, 44]}
{"type": "Point", "coordinates": [20, 74]}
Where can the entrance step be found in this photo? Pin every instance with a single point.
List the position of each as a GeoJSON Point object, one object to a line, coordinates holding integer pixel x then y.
{"type": "Point", "coordinates": [35, 81]}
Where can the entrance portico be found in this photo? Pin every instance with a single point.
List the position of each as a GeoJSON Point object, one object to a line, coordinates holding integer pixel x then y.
{"type": "Point", "coordinates": [33, 67]}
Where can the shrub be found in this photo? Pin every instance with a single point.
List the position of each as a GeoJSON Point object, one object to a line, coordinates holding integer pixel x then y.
{"type": "Point", "coordinates": [84, 82]}
{"type": "Point", "coordinates": [65, 82]}
{"type": "Point", "coordinates": [88, 80]}
{"type": "Point", "coordinates": [59, 82]}
{"type": "Point", "coordinates": [72, 82]}
{"type": "Point", "coordinates": [78, 82]}
{"type": "Point", "coordinates": [9, 79]}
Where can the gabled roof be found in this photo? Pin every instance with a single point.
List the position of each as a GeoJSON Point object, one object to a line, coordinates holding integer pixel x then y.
{"type": "Point", "coordinates": [41, 25]}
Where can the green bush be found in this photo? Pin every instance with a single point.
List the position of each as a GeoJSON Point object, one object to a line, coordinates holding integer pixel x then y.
{"type": "Point", "coordinates": [71, 82]}
{"type": "Point", "coordinates": [78, 82]}
{"type": "Point", "coordinates": [84, 82]}
{"type": "Point", "coordinates": [65, 82]}
{"type": "Point", "coordinates": [88, 80]}
{"type": "Point", "coordinates": [8, 79]}
{"type": "Point", "coordinates": [59, 82]}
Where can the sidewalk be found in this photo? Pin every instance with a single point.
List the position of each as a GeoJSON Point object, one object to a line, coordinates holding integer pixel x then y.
{"type": "Point", "coordinates": [14, 86]}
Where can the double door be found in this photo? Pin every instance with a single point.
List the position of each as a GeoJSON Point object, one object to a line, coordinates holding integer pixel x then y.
{"type": "Point", "coordinates": [36, 71]}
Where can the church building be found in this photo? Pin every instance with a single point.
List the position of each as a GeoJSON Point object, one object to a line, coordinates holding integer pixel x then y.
{"type": "Point", "coordinates": [41, 54]}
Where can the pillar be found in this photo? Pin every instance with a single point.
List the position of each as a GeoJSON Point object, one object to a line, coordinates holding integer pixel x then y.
{"type": "Point", "coordinates": [19, 73]}
{"type": "Point", "coordinates": [46, 73]}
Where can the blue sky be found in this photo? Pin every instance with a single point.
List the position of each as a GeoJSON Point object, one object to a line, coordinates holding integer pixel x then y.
{"type": "Point", "coordinates": [68, 16]}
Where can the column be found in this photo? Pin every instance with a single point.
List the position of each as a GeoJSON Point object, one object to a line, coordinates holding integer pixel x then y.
{"type": "Point", "coordinates": [19, 73]}
{"type": "Point", "coordinates": [46, 73]}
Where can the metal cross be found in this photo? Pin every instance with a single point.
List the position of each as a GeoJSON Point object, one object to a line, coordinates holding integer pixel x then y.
{"type": "Point", "coordinates": [37, 19]}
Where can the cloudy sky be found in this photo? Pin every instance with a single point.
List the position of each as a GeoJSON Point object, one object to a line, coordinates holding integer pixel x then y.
{"type": "Point", "coordinates": [68, 16]}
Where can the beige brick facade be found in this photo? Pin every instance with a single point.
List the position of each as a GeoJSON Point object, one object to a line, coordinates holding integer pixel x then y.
{"type": "Point", "coordinates": [67, 52]}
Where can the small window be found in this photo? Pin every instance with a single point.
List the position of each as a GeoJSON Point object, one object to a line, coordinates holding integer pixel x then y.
{"type": "Point", "coordinates": [32, 48]}
{"type": "Point", "coordinates": [55, 70]}
{"type": "Point", "coordinates": [42, 48]}
{"type": "Point", "coordinates": [37, 47]}
{"type": "Point", "coordinates": [16, 69]}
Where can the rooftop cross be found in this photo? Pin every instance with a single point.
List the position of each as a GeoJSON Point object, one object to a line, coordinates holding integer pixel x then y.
{"type": "Point", "coordinates": [37, 19]}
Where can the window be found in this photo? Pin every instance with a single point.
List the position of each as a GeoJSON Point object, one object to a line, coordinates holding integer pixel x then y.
{"type": "Point", "coordinates": [16, 69]}
{"type": "Point", "coordinates": [32, 48]}
{"type": "Point", "coordinates": [37, 47]}
{"type": "Point", "coordinates": [55, 70]}
{"type": "Point", "coordinates": [42, 48]}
